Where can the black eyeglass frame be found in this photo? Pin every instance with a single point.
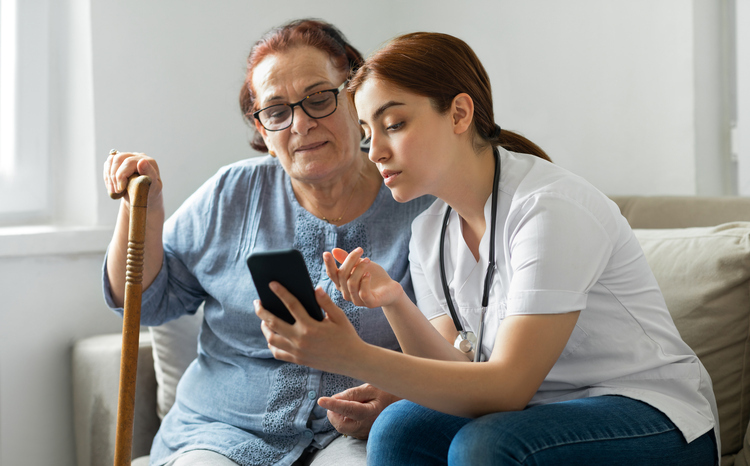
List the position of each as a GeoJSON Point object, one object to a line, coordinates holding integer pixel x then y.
{"type": "Point", "coordinates": [336, 91]}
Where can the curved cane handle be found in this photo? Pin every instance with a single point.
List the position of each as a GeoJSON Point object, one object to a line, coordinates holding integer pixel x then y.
{"type": "Point", "coordinates": [133, 180]}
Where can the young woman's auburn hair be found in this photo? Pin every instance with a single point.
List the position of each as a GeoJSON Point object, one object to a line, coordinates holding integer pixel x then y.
{"type": "Point", "coordinates": [439, 67]}
{"type": "Point", "coordinates": [302, 32]}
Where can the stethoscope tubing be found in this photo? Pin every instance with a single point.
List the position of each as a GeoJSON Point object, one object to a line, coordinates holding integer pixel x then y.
{"type": "Point", "coordinates": [490, 266]}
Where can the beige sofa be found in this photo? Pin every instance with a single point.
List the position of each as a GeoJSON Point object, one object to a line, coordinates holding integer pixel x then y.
{"type": "Point", "coordinates": [698, 248]}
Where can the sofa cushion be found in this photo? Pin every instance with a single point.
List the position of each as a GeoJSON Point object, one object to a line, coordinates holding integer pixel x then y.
{"type": "Point", "coordinates": [175, 346]}
{"type": "Point", "coordinates": [704, 274]}
{"type": "Point", "coordinates": [95, 374]}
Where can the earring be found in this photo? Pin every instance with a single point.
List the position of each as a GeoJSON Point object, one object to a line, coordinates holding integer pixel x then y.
{"type": "Point", "coordinates": [272, 153]}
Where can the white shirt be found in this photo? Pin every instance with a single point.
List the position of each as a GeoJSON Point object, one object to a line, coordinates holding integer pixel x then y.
{"type": "Point", "coordinates": [563, 246]}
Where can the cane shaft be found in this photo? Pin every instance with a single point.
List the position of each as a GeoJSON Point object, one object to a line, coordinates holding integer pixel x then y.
{"type": "Point", "coordinates": [138, 192]}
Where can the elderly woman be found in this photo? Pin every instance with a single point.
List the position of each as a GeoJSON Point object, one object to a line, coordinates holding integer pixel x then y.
{"type": "Point", "coordinates": [316, 191]}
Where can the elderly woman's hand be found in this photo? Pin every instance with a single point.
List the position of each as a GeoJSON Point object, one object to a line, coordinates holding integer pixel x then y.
{"type": "Point", "coordinates": [360, 280]}
{"type": "Point", "coordinates": [353, 411]}
{"type": "Point", "coordinates": [331, 345]}
{"type": "Point", "coordinates": [119, 166]}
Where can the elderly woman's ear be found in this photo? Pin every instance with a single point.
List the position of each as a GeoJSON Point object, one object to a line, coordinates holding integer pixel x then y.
{"type": "Point", "coordinates": [262, 131]}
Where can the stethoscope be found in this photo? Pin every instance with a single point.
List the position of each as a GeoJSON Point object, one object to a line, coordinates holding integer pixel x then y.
{"type": "Point", "coordinates": [467, 342]}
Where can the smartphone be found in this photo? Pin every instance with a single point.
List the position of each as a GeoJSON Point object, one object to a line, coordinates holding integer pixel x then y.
{"type": "Point", "coordinates": [286, 266]}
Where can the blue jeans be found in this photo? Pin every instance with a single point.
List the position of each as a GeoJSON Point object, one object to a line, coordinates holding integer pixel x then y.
{"type": "Point", "coordinates": [603, 430]}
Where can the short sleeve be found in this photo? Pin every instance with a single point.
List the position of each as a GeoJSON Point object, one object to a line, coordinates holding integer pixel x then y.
{"type": "Point", "coordinates": [558, 249]}
{"type": "Point", "coordinates": [427, 302]}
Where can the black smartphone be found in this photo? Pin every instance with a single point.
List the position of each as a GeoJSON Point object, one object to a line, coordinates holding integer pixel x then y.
{"type": "Point", "coordinates": [286, 266]}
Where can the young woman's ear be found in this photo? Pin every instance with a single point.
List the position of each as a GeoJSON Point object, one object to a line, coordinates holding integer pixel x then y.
{"type": "Point", "coordinates": [462, 113]}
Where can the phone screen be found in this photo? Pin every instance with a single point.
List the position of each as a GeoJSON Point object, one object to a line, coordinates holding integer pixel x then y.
{"type": "Point", "coordinates": [286, 266]}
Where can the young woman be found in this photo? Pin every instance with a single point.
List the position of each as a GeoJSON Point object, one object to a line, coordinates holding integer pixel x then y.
{"type": "Point", "coordinates": [579, 361]}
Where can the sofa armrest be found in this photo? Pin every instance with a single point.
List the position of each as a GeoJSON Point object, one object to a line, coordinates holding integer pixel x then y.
{"type": "Point", "coordinates": [682, 211]}
{"type": "Point", "coordinates": [96, 369]}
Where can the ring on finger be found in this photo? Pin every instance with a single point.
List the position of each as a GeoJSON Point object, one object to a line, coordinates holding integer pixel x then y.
{"type": "Point", "coordinates": [113, 152]}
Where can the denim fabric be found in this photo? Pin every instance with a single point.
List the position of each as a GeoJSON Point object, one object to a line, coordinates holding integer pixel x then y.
{"type": "Point", "coordinates": [235, 398]}
{"type": "Point", "coordinates": [603, 430]}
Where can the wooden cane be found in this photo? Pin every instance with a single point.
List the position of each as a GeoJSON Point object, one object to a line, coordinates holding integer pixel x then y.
{"type": "Point", "coordinates": [138, 187]}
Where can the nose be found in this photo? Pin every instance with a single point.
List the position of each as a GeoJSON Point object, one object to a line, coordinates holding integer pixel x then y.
{"type": "Point", "coordinates": [378, 152]}
{"type": "Point", "coordinates": [301, 122]}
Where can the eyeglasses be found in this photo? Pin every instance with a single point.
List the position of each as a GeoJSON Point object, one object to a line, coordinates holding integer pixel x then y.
{"type": "Point", "coordinates": [318, 105]}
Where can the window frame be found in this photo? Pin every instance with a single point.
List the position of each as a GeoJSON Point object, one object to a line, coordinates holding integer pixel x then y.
{"type": "Point", "coordinates": [24, 119]}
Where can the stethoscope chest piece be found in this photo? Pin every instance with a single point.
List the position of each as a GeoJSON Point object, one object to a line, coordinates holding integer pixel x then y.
{"type": "Point", "coordinates": [466, 342]}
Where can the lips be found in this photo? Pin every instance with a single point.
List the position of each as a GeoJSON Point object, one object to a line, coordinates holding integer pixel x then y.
{"type": "Point", "coordinates": [311, 146]}
{"type": "Point", "coordinates": [389, 175]}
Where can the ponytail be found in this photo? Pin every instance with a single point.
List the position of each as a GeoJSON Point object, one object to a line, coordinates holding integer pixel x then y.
{"type": "Point", "coordinates": [514, 142]}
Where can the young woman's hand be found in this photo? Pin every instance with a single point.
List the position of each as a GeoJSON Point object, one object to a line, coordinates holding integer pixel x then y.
{"type": "Point", "coordinates": [331, 345]}
{"type": "Point", "coordinates": [360, 280]}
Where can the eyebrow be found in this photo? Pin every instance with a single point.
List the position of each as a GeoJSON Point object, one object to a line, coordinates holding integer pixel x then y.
{"type": "Point", "coordinates": [306, 90]}
{"type": "Point", "coordinates": [379, 112]}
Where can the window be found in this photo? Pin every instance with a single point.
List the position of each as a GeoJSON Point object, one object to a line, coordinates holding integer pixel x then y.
{"type": "Point", "coordinates": [47, 131]}
{"type": "Point", "coordinates": [24, 125]}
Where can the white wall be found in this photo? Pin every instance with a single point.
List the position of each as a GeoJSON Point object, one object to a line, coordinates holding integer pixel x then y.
{"type": "Point", "coordinates": [609, 89]}
{"type": "Point", "coordinates": [742, 134]}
